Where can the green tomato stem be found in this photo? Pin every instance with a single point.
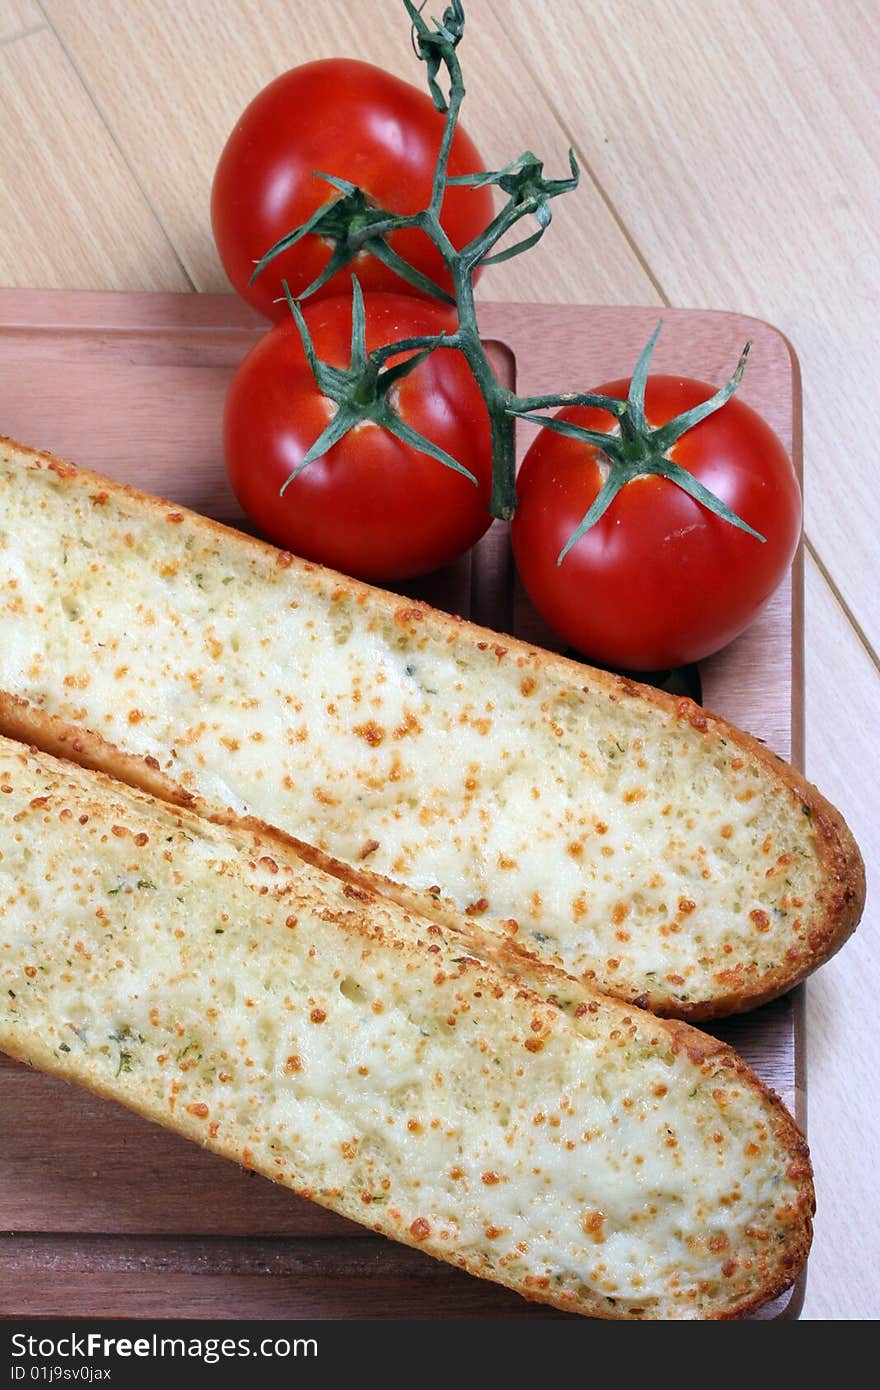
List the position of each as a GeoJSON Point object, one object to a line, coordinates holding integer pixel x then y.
{"type": "Point", "coordinates": [498, 398]}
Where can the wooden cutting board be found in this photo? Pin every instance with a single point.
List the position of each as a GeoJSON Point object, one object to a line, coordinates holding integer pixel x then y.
{"type": "Point", "coordinates": [105, 1214]}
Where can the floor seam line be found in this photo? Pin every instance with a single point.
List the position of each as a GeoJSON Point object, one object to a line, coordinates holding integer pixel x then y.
{"type": "Point", "coordinates": [842, 604]}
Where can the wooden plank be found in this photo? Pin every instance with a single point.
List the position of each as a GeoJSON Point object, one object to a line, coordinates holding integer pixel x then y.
{"type": "Point", "coordinates": [171, 80]}
{"type": "Point", "coordinates": [59, 223]}
{"type": "Point", "coordinates": [843, 711]}
{"type": "Point", "coordinates": [251, 1279]}
{"type": "Point", "coordinates": [743, 193]}
{"type": "Point", "coordinates": [163, 361]}
{"type": "Point", "coordinates": [74, 1163]}
{"type": "Point", "coordinates": [327, 1279]}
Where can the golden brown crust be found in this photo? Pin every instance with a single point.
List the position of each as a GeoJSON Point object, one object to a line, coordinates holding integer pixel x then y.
{"type": "Point", "coordinates": [25, 722]}
{"type": "Point", "coordinates": [841, 899]}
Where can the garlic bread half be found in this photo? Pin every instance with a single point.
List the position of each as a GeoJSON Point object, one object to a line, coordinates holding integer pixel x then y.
{"type": "Point", "coordinates": [575, 1149]}
{"type": "Point", "coordinates": [628, 837]}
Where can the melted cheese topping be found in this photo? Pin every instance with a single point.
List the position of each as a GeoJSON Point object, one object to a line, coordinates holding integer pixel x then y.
{"type": "Point", "coordinates": [350, 1051]}
{"type": "Point", "coordinates": [625, 844]}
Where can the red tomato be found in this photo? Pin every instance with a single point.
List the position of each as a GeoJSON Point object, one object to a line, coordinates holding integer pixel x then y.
{"type": "Point", "coordinates": [659, 581]}
{"type": "Point", "coordinates": [372, 506]}
{"type": "Point", "coordinates": [353, 120]}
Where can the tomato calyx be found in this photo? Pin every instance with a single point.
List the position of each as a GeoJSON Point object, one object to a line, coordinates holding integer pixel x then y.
{"type": "Point", "coordinates": [361, 391]}
{"type": "Point", "coordinates": [639, 451]}
{"type": "Point", "coordinates": [353, 224]}
{"type": "Point", "coordinates": [528, 194]}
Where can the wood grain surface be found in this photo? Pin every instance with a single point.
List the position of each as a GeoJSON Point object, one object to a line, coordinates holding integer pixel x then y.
{"type": "Point", "coordinates": [729, 154]}
{"type": "Point", "coordinates": [116, 382]}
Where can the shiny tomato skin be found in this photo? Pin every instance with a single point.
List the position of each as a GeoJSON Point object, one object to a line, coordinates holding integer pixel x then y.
{"type": "Point", "coordinates": [371, 507]}
{"type": "Point", "coordinates": [659, 581]}
{"type": "Point", "coordinates": [351, 119]}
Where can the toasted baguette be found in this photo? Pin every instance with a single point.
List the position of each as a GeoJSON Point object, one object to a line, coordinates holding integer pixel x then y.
{"type": "Point", "coordinates": [575, 1149]}
{"type": "Point", "coordinates": [629, 837]}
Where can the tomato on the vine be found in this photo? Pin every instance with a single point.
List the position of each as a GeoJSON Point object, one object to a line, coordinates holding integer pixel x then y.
{"type": "Point", "coordinates": [356, 122]}
{"type": "Point", "coordinates": [659, 580]}
{"type": "Point", "coordinates": [372, 506]}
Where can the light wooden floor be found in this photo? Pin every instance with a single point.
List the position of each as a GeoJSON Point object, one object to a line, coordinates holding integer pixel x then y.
{"type": "Point", "coordinates": [730, 150]}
